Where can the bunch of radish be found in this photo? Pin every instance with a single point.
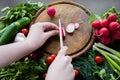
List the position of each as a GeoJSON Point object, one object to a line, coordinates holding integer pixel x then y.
{"type": "Point", "coordinates": [107, 30]}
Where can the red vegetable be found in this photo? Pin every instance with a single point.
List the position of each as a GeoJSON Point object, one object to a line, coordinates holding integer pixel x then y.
{"type": "Point", "coordinates": [104, 32]}
{"type": "Point", "coordinates": [70, 28]}
{"type": "Point", "coordinates": [53, 55]}
{"type": "Point", "coordinates": [96, 24]}
{"type": "Point", "coordinates": [50, 59]}
{"type": "Point", "coordinates": [104, 23]}
{"type": "Point", "coordinates": [51, 11]}
{"type": "Point", "coordinates": [76, 72]}
{"type": "Point", "coordinates": [77, 25]}
{"type": "Point", "coordinates": [98, 59]}
{"type": "Point", "coordinates": [105, 40]}
{"type": "Point", "coordinates": [32, 56]}
{"type": "Point", "coordinates": [63, 32]}
{"type": "Point", "coordinates": [112, 17]}
{"type": "Point", "coordinates": [114, 26]}
{"type": "Point", "coordinates": [24, 31]}
{"type": "Point", "coordinates": [44, 76]}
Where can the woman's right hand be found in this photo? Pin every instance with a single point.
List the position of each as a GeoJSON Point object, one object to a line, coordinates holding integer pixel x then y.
{"type": "Point", "coordinates": [61, 68]}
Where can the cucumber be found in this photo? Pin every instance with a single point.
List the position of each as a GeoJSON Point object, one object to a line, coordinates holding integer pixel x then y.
{"type": "Point", "coordinates": [9, 34]}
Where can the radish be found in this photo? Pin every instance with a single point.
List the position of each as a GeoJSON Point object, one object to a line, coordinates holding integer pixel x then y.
{"type": "Point", "coordinates": [115, 35]}
{"type": "Point", "coordinates": [104, 32]}
{"type": "Point", "coordinates": [112, 17]}
{"type": "Point", "coordinates": [70, 28]}
{"type": "Point", "coordinates": [104, 23]}
{"type": "Point", "coordinates": [63, 32]}
{"type": "Point", "coordinates": [96, 24]}
{"type": "Point", "coordinates": [51, 11]}
{"type": "Point", "coordinates": [19, 37]}
{"type": "Point", "coordinates": [114, 26]}
{"type": "Point", "coordinates": [76, 25]}
{"type": "Point", "coordinates": [105, 40]}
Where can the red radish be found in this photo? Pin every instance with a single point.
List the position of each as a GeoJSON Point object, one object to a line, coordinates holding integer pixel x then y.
{"type": "Point", "coordinates": [76, 25]}
{"type": "Point", "coordinates": [51, 11]}
{"type": "Point", "coordinates": [104, 23]}
{"type": "Point", "coordinates": [96, 33]}
{"type": "Point", "coordinates": [105, 40]}
{"type": "Point", "coordinates": [104, 32]}
{"type": "Point", "coordinates": [63, 32]}
{"type": "Point", "coordinates": [114, 26]}
{"type": "Point", "coordinates": [70, 28]}
{"type": "Point", "coordinates": [96, 24]}
{"type": "Point", "coordinates": [112, 17]}
{"type": "Point", "coordinates": [115, 35]}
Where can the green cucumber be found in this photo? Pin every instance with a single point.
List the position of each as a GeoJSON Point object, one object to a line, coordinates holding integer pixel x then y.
{"type": "Point", "coordinates": [8, 35]}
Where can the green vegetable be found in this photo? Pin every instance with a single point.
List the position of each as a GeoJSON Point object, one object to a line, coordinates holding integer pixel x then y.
{"type": "Point", "coordinates": [112, 56]}
{"type": "Point", "coordinates": [24, 69]}
{"type": "Point", "coordinates": [88, 67]}
{"type": "Point", "coordinates": [12, 29]}
{"type": "Point", "coordinates": [104, 15]}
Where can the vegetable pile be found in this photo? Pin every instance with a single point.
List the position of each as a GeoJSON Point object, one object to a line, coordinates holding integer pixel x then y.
{"type": "Point", "coordinates": [16, 19]}
{"type": "Point", "coordinates": [112, 56]}
{"type": "Point", "coordinates": [90, 66]}
{"type": "Point", "coordinates": [107, 26]}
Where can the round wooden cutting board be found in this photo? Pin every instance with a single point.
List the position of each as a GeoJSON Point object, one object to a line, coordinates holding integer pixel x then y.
{"type": "Point", "coordinates": [70, 12]}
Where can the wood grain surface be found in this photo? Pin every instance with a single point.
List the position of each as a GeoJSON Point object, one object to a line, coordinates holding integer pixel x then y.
{"type": "Point", "coordinates": [70, 12]}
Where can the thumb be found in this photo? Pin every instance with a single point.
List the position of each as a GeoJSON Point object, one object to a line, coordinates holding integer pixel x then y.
{"type": "Point", "coordinates": [62, 51]}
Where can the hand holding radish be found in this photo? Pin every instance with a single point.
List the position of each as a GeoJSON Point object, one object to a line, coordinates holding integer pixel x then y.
{"type": "Point", "coordinates": [40, 32]}
{"type": "Point", "coordinates": [61, 67]}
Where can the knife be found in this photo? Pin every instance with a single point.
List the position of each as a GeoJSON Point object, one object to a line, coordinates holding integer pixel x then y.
{"type": "Point", "coordinates": [60, 34]}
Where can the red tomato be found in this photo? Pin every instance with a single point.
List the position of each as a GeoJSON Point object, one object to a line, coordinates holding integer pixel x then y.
{"type": "Point", "coordinates": [76, 72]}
{"type": "Point", "coordinates": [24, 31]}
{"type": "Point", "coordinates": [53, 55]}
{"type": "Point", "coordinates": [49, 59]}
{"type": "Point", "coordinates": [32, 56]}
{"type": "Point", "coordinates": [98, 59]}
{"type": "Point", "coordinates": [44, 75]}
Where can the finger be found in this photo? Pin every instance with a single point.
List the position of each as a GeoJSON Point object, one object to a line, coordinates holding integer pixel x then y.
{"type": "Point", "coordinates": [51, 33]}
{"type": "Point", "coordinates": [62, 51]}
{"type": "Point", "coordinates": [49, 26]}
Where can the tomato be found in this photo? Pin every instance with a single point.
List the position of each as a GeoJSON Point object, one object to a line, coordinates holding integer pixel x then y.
{"type": "Point", "coordinates": [98, 59]}
{"type": "Point", "coordinates": [76, 72]}
{"type": "Point", "coordinates": [53, 55]}
{"type": "Point", "coordinates": [44, 75]}
{"type": "Point", "coordinates": [32, 56]}
{"type": "Point", "coordinates": [24, 31]}
{"type": "Point", "coordinates": [49, 59]}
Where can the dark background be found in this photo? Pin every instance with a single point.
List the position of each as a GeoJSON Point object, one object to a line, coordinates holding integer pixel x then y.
{"type": "Point", "coordinates": [94, 6]}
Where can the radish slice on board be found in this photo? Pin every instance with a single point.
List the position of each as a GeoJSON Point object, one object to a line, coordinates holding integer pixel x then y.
{"type": "Point", "coordinates": [70, 28]}
{"type": "Point", "coordinates": [63, 32]}
{"type": "Point", "coordinates": [76, 25]}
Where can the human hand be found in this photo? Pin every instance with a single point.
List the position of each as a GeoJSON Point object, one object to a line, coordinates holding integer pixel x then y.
{"type": "Point", "coordinates": [61, 68]}
{"type": "Point", "coordinates": [40, 32]}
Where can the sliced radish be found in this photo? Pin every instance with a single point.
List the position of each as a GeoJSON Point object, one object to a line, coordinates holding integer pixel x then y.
{"type": "Point", "coordinates": [63, 32]}
{"type": "Point", "coordinates": [76, 25]}
{"type": "Point", "coordinates": [70, 28]}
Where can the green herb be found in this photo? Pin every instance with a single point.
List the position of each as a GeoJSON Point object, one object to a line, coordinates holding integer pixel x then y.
{"type": "Point", "coordinates": [112, 56]}
{"type": "Point", "coordinates": [87, 67]}
{"type": "Point", "coordinates": [104, 15]}
{"type": "Point", "coordinates": [26, 69]}
{"type": "Point", "coordinates": [27, 9]}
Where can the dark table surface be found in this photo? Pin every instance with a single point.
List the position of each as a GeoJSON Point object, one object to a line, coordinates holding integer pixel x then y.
{"type": "Point", "coordinates": [94, 6]}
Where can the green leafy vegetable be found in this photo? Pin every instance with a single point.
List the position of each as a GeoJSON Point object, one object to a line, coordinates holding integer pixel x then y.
{"type": "Point", "coordinates": [26, 69]}
{"type": "Point", "coordinates": [88, 67]}
{"type": "Point", "coordinates": [112, 56]}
